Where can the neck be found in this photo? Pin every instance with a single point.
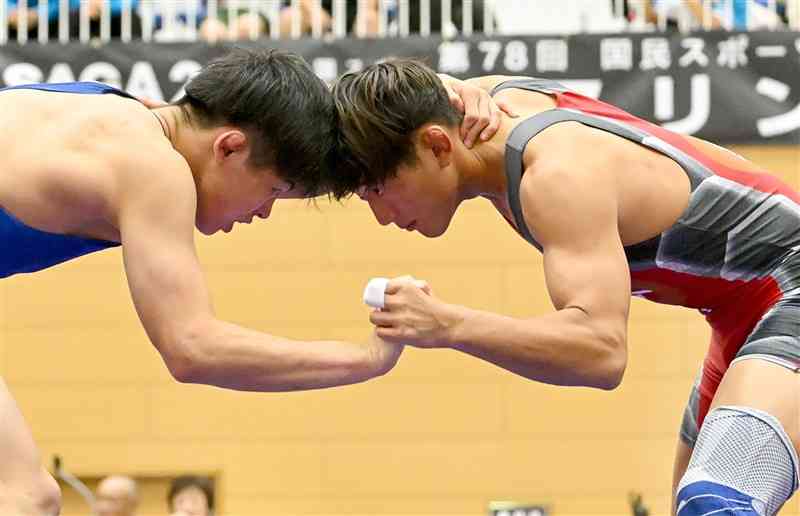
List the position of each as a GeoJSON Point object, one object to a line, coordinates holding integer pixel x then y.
{"type": "Point", "coordinates": [482, 168]}
{"type": "Point", "coordinates": [182, 136]}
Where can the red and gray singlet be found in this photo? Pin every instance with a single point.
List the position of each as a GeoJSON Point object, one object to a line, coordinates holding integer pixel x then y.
{"type": "Point", "coordinates": [734, 254]}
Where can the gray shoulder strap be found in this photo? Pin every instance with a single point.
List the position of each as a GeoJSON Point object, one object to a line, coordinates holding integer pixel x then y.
{"type": "Point", "coordinates": [529, 84]}
{"type": "Point", "coordinates": [527, 129]}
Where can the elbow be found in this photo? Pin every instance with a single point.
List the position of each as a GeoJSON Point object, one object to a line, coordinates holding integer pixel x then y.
{"type": "Point", "coordinates": [183, 356]}
{"type": "Point", "coordinates": [183, 369]}
{"type": "Point", "coordinates": [612, 364]}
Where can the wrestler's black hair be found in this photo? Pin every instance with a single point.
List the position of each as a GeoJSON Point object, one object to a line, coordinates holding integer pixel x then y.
{"type": "Point", "coordinates": [378, 111]}
{"type": "Point", "coordinates": [275, 97]}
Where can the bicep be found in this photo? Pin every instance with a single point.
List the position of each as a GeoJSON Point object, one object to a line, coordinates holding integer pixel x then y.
{"type": "Point", "coordinates": [164, 274]}
{"type": "Point", "coordinates": [575, 219]}
{"type": "Point", "coordinates": [592, 276]}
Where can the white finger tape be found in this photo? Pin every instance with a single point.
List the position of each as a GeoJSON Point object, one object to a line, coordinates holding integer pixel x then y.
{"type": "Point", "coordinates": [374, 292]}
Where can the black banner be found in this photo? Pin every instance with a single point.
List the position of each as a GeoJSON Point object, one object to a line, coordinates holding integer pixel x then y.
{"type": "Point", "coordinates": [723, 86]}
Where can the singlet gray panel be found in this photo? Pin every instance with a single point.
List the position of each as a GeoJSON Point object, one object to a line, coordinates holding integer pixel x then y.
{"type": "Point", "coordinates": [530, 84]}
{"type": "Point", "coordinates": [532, 126]}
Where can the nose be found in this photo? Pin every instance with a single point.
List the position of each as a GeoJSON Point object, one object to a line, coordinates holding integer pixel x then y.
{"type": "Point", "coordinates": [383, 214]}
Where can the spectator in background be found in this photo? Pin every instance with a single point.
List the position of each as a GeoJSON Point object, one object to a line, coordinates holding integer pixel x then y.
{"type": "Point", "coordinates": [94, 9]}
{"type": "Point", "coordinates": [116, 495]}
{"type": "Point", "coordinates": [362, 19]}
{"type": "Point", "coordinates": [191, 495]}
{"type": "Point", "coordinates": [32, 12]}
{"type": "Point", "coordinates": [232, 25]}
{"type": "Point", "coordinates": [725, 14]}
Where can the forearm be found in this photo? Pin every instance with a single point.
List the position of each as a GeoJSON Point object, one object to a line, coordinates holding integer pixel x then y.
{"type": "Point", "coordinates": [233, 357]}
{"type": "Point", "coordinates": [560, 348]}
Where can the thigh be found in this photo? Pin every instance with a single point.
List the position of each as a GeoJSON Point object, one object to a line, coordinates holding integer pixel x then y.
{"type": "Point", "coordinates": [764, 373]}
{"type": "Point", "coordinates": [21, 459]}
{"type": "Point", "coordinates": [764, 385]}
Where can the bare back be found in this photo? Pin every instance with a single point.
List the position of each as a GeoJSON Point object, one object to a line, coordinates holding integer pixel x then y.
{"type": "Point", "coordinates": [60, 171]}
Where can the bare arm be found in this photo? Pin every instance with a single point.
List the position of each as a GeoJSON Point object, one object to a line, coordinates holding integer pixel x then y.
{"type": "Point", "coordinates": [572, 210]}
{"type": "Point", "coordinates": [156, 220]}
{"type": "Point", "coordinates": [574, 216]}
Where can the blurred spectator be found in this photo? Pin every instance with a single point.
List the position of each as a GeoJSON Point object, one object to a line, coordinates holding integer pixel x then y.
{"type": "Point", "coordinates": [725, 14]}
{"type": "Point", "coordinates": [185, 20]}
{"type": "Point", "coordinates": [556, 17]}
{"type": "Point", "coordinates": [362, 17]}
{"type": "Point", "coordinates": [32, 13]}
{"type": "Point", "coordinates": [230, 24]}
{"type": "Point", "coordinates": [191, 495]}
{"type": "Point", "coordinates": [94, 10]}
{"type": "Point", "coordinates": [116, 495]}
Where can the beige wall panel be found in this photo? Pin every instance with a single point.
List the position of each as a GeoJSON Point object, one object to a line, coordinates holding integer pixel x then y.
{"type": "Point", "coordinates": [293, 237]}
{"type": "Point", "coordinates": [629, 412]}
{"type": "Point", "coordinates": [293, 469]}
{"type": "Point", "coordinates": [526, 290]}
{"type": "Point", "coordinates": [418, 505]}
{"type": "Point", "coordinates": [194, 411]}
{"type": "Point", "coordinates": [474, 237]}
{"type": "Point", "coordinates": [3, 331]}
{"type": "Point", "coordinates": [3, 303]}
{"type": "Point", "coordinates": [63, 299]}
{"type": "Point", "coordinates": [413, 467]}
{"type": "Point", "coordinates": [583, 502]}
{"type": "Point", "coordinates": [84, 411]}
{"type": "Point", "coordinates": [656, 349]}
{"type": "Point", "coordinates": [96, 354]}
{"type": "Point", "coordinates": [510, 468]}
{"type": "Point", "coordinates": [138, 457]}
{"type": "Point", "coordinates": [385, 409]}
{"type": "Point", "coordinates": [303, 298]}
{"type": "Point", "coordinates": [611, 503]}
{"type": "Point", "coordinates": [373, 410]}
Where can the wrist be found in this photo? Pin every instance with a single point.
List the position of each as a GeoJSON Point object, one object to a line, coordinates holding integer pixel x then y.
{"type": "Point", "coordinates": [453, 318]}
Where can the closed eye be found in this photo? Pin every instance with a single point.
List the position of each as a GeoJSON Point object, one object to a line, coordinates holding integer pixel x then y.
{"type": "Point", "coordinates": [365, 191]}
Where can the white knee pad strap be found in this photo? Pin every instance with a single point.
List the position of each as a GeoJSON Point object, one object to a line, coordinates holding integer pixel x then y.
{"type": "Point", "coordinates": [742, 457]}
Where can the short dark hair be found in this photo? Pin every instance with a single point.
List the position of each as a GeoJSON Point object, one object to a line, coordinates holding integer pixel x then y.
{"type": "Point", "coordinates": [178, 484]}
{"type": "Point", "coordinates": [378, 111]}
{"type": "Point", "coordinates": [275, 97]}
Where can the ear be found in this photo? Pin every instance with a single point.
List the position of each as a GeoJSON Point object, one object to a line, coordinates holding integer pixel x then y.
{"type": "Point", "coordinates": [436, 139]}
{"type": "Point", "coordinates": [231, 143]}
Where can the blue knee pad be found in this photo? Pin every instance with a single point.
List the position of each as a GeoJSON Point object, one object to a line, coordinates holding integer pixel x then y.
{"type": "Point", "coordinates": [743, 464]}
{"type": "Point", "coordinates": [705, 497]}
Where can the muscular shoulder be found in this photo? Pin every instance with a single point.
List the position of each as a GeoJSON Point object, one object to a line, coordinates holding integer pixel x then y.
{"type": "Point", "coordinates": [146, 169]}
{"type": "Point", "coordinates": [567, 176]}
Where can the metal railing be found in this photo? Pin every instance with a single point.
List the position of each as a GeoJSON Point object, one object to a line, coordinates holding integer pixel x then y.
{"type": "Point", "coordinates": [63, 21]}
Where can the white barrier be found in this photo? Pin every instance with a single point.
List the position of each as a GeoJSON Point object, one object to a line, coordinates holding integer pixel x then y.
{"type": "Point", "coordinates": [192, 20]}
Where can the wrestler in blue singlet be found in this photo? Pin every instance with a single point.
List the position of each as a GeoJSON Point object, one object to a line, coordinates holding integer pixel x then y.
{"type": "Point", "coordinates": [25, 249]}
